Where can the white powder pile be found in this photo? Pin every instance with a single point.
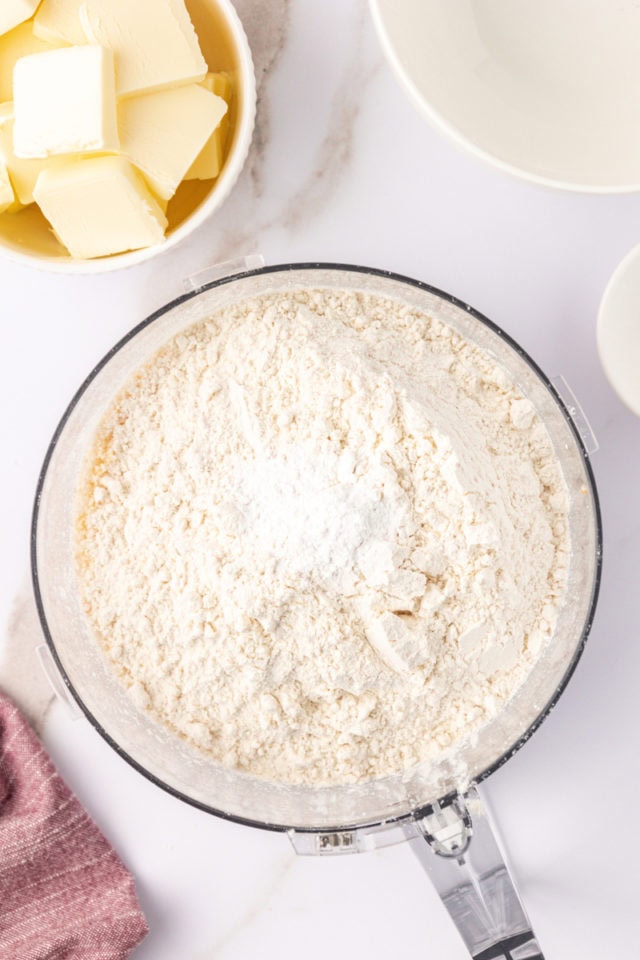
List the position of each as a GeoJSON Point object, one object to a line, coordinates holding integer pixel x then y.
{"type": "Point", "coordinates": [322, 537]}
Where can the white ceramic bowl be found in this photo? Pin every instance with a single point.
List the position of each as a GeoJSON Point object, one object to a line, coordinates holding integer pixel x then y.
{"type": "Point", "coordinates": [25, 236]}
{"type": "Point", "coordinates": [619, 330]}
{"type": "Point", "coordinates": [545, 89]}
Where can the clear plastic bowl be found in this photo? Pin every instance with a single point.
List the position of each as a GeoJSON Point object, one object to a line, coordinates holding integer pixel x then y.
{"type": "Point", "coordinates": [172, 763]}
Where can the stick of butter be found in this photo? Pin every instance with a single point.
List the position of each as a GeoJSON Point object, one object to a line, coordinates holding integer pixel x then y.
{"type": "Point", "coordinates": [14, 45]}
{"type": "Point", "coordinates": [59, 20]}
{"type": "Point", "coordinates": [14, 12]}
{"type": "Point", "coordinates": [99, 206]}
{"type": "Point", "coordinates": [154, 42]}
{"type": "Point", "coordinates": [64, 102]}
{"type": "Point", "coordinates": [208, 163]}
{"type": "Point", "coordinates": [190, 113]}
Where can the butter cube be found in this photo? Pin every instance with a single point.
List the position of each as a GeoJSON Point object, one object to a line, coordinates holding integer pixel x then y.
{"type": "Point", "coordinates": [163, 133]}
{"type": "Point", "coordinates": [64, 102]}
{"type": "Point", "coordinates": [208, 163]}
{"type": "Point", "coordinates": [59, 21]}
{"type": "Point", "coordinates": [218, 83]}
{"type": "Point", "coordinates": [154, 42]}
{"type": "Point", "coordinates": [14, 45]}
{"type": "Point", "coordinates": [99, 206]}
{"type": "Point", "coordinates": [24, 173]}
{"type": "Point", "coordinates": [14, 12]}
{"type": "Point", "coordinates": [7, 196]}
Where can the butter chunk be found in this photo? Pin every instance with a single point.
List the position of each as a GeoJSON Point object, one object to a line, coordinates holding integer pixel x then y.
{"type": "Point", "coordinates": [99, 206]}
{"type": "Point", "coordinates": [59, 20]}
{"type": "Point", "coordinates": [163, 133]}
{"type": "Point", "coordinates": [13, 45]}
{"type": "Point", "coordinates": [64, 102]}
{"type": "Point", "coordinates": [208, 163]}
{"type": "Point", "coordinates": [24, 173]}
{"type": "Point", "coordinates": [154, 42]}
{"type": "Point", "coordinates": [15, 12]}
{"type": "Point", "coordinates": [7, 196]}
{"type": "Point", "coordinates": [218, 83]}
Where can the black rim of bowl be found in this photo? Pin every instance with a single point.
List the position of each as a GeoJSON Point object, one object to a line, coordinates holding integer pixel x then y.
{"type": "Point", "coordinates": [419, 810]}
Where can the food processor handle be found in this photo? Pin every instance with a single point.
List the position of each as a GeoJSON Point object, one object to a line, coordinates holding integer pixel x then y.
{"type": "Point", "coordinates": [468, 870]}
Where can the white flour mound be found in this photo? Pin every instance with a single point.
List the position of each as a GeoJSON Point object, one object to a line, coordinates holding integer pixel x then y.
{"type": "Point", "coordinates": [322, 537]}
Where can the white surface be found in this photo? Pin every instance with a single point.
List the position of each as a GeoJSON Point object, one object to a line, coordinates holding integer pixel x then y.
{"type": "Point", "coordinates": [548, 89]}
{"type": "Point", "coordinates": [344, 168]}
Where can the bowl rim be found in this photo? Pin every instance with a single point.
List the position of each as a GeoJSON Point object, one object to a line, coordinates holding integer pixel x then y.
{"type": "Point", "coordinates": [439, 121]}
{"type": "Point", "coordinates": [419, 810]}
{"type": "Point", "coordinates": [235, 161]}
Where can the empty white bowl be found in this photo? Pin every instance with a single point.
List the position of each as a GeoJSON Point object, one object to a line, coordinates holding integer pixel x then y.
{"type": "Point", "coordinates": [545, 89]}
{"type": "Point", "coordinates": [619, 330]}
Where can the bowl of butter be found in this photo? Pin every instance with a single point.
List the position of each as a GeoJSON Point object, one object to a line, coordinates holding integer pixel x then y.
{"type": "Point", "coordinates": [123, 126]}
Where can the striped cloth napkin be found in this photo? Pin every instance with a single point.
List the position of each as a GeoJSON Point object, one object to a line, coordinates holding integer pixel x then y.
{"type": "Point", "coordinates": [64, 892]}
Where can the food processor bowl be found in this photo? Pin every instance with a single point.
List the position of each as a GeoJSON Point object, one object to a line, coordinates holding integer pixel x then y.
{"type": "Point", "coordinates": [171, 762]}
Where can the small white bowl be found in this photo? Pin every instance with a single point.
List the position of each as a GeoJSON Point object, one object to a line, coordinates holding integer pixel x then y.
{"type": "Point", "coordinates": [26, 237]}
{"type": "Point", "coordinates": [545, 90]}
{"type": "Point", "coordinates": [619, 330]}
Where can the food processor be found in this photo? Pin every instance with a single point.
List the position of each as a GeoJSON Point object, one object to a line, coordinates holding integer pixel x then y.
{"type": "Point", "coordinates": [436, 804]}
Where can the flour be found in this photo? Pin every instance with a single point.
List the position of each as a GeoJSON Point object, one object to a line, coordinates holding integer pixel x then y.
{"type": "Point", "coordinates": [314, 517]}
{"type": "Point", "coordinates": [322, 537]}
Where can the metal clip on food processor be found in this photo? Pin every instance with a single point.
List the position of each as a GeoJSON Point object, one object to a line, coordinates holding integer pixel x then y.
{"type": "Point", "coordinates": [435, 806]}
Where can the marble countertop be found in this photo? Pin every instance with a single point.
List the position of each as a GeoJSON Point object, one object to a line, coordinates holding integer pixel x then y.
{"type": "Point", "coordinates": [343, 169]}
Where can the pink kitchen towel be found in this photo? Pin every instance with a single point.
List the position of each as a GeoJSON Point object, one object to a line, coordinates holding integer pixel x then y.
{"type": "Point", "coordinates": [64, 892]}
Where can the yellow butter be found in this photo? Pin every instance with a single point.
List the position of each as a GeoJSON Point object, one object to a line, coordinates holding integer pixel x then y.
{"type": "Point", "coordinates": [7, 196]}
{"type": "Point", "coordinates": [59, 21]}
{"type": "Point", "coordinates": [24, 173]}
{"type": "Point", "coordinates": [155, 44]}
{"type": "Point", "coordinates": [218, 83]}
{"type": "Point", "coordinates": [99, 206]}
{"type": "Point", "coordinates": [208, 163]}
{"type": "Point", "coordinates": [15, 12]}
{"type": "Point", "coordinates": [64, 102]}
{"type": "Point", "coordinates": [163, 133]}
{"type": "Point", "coordinates": [14, 45]}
